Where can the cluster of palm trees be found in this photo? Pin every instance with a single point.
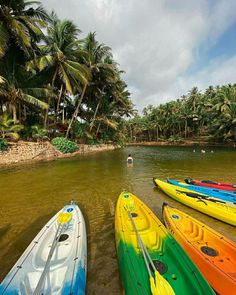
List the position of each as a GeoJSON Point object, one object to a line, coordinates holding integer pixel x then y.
{"type": "Point", "coordinates": [50, 77]}
{"type": "Point", "coordinates": [210, 115]}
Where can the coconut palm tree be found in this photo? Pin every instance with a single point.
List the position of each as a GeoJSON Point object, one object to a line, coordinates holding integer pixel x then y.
{"type": "Point", "coordinates": [19, 20]}
{"type": "Point", "coordinates": [96, 59]}
{"type": "Point", "coordinates": [59, 58]}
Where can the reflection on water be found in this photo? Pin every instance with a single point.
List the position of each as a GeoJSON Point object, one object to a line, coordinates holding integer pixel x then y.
{"type": "Point", "coordinates": [31, 194]}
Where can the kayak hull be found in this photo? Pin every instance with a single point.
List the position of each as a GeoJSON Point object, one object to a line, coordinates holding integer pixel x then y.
{"type": "Point", "coordinates": [219, 211]}
{"type": "Point", "coordinates": [169, 258]}
{"type": "Point", "coordinates": [214, 254]}
{"type": "Point", "coordinates": [67, 270]}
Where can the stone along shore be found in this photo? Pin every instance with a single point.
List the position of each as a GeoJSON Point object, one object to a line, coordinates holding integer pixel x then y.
{"type": "Point", "coordinates": [22, 151]}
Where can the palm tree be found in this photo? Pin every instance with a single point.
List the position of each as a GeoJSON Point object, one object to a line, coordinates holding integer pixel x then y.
{"type": "Point", "coordinates": [60, 59]}
{"type": "Point", "coordinates": [19, 20]}
{"type": "Point", "coordinates": [95, 59]}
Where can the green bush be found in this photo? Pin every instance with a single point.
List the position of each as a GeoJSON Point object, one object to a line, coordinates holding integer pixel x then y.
{"type": "Point", "coordinates": [92, 141]}
{"type": "Point", "coordinates": [64, 145]}
{"type": "Point", "coordinates": [3, 145]}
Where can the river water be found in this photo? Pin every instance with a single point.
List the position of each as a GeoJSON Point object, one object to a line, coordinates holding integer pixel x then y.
{"type": "Point", "coordinates": [31, 194]}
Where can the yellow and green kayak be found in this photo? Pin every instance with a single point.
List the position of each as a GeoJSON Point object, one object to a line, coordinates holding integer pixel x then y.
{"type": "Point", "coordinates": [142, 241]}
{"type": "Point", "coordinates": [200, 202]}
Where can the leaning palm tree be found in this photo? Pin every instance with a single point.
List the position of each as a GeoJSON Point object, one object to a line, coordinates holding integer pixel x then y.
{"type": "Point", "coordinates": [59, 59]}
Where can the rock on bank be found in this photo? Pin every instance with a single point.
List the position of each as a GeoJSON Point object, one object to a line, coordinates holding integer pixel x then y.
{"type": "Point", "coordinates": [37, 151]}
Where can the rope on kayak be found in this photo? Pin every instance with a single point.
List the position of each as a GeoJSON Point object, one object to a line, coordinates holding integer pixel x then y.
{"type": "Point", "coordinates": [163, 285]}
{"type": "Point", "coordinates": [63, 219]}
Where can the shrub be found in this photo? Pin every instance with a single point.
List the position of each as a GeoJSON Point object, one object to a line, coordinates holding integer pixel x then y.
{"type": "Point", "coordinates": [3, 145]}
{"type": "Point", "coordinates": [92, 141]}
{"type": "Point", "coordinates": [64, 145]}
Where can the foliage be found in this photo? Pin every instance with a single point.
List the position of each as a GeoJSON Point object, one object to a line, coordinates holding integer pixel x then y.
{"type": "Point", "coordinates": [7, 127]}
{"type": "Point", "coordinates": [38, 133]}
{"type": "Point", "coordinates": [64, 145]}
{"type": "Point", "coordinates": [211, 113]}
{"type": "Point", "coordinates": [3, 145]}
{"type": "Point", "coordinates": [80, 130]}
{"type": "Point", "coordinates": [92, 141]}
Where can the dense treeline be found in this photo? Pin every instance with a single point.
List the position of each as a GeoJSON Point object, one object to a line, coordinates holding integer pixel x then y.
{"type": "Point", "coordinates": [211, 114]}
{"type": "Point", "coordinates": [50, 78]}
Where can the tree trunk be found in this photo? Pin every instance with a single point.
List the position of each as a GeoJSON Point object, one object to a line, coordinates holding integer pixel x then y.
{"type": "Point", "coordinates": [157, 133]}
{"type": "Point", "coordinates": [14, 114]}
{"type": "Point", "coordinates": [58, 102]}
{"type": "Point", "coordinates": [46, 114]}
{"type": "Point", "coordinates": [49, 100]}
{"type": "Point", "coordinates": [99, 125]}
{"type": "Point", "coordinates": [76, 110]}
{"type": "Point", "coordinates": [185, 129]}
{"type": "Point", "coordinates": [94, 116]}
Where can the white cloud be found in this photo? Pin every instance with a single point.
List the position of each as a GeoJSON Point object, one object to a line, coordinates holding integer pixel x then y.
{"type": "Point", "coordinates": [156, 41]}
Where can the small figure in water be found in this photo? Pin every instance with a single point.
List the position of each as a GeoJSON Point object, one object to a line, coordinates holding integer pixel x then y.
{"type": "Point", "coordinates": [130, 160]}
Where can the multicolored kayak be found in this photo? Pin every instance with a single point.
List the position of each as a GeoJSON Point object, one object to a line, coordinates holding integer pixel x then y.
{"type": "Point", "coordinates": [209, 183]}
{"type": "Point", "coordinates": [214, 254]}
{"type": "Point", "coordinates": [150, 260]}
{"type": "Point", "coordinates": [228, 197]}
{"type": "Point", "coordinates": [199, 202]}
{"type": "Point", "coordinates": [55, 261]}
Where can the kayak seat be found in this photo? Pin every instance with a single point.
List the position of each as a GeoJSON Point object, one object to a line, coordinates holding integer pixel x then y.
{"type": "Point", "coordinates": [55, 278]}
{"type": "Point", "coordinates": [193, 231]}
{"type": "Point", "coordinates": [61, 253]}
{"type": "Point", "coordinates": [141, 223]}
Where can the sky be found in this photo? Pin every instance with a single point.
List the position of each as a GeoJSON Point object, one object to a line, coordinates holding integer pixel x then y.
{"type": "Point", "coordinates": [165, 47]}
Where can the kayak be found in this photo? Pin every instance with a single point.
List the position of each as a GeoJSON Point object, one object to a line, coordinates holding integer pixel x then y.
{"type": "Point", "coordinates": [214, 254]}
{"type": "Point", "coordinates": [134, 221]}
{"type": "Point", "coordinates": [199, 202]}
{"type": "Point", "coordinates": [209, 183]}
{"type": "Point", "coordinates": [226, 196]}
{"type": "Point", "coordinates": [55, 261]}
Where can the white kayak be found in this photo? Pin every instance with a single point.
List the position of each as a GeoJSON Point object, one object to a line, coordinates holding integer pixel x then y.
{"type": "Point", "coordinates": [55, 262]}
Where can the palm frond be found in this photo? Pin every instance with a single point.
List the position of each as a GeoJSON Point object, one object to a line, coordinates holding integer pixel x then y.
{"type": "Point", "coordinates": [34, 101]}
{"type": "Point", "coordinates": [4, 37]}
{"type": "Point", "coordinates": [66, 79]}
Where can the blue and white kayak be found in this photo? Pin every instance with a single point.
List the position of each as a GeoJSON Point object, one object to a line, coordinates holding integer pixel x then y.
{"type": "Point", "coordinates": [55, 262]}
{"type": "Point", "coordinates": [226, 196]}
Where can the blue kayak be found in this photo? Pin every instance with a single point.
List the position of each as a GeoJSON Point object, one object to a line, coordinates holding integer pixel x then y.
{"type": "Point", "coordinates": [210, 192]}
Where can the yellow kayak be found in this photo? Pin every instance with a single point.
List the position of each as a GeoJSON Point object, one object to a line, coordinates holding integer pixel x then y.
{"type": "Point", "coordinates": [199, 202]}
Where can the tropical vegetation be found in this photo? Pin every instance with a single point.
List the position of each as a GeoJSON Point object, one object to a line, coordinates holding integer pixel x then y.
{"type": "Point", "coordinates": [208, 115]}
{"type": "Point", "coordinates": [64, 145]}
{"type": "Point", "coordinates": [52, 82]}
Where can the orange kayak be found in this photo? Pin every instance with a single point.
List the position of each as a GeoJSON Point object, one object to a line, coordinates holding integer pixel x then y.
{"type": "Point", "coordinates": [214, 254]}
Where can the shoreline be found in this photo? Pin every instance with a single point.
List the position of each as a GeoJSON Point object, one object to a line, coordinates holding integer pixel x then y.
{"type": "Point", "coordinates": [190, 143]}
{"type": "Point", "coordinates": [28, 152]}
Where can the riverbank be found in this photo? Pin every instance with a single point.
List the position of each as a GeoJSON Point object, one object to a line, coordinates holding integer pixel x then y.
{"type": "Point", "coordinates": [24, 151]}
{"type": "Point", "coordinates": [194, 143]}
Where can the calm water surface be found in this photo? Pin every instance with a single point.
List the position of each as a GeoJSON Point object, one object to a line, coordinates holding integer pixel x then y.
{"type": "Point", "coordinates": [31, 194]}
